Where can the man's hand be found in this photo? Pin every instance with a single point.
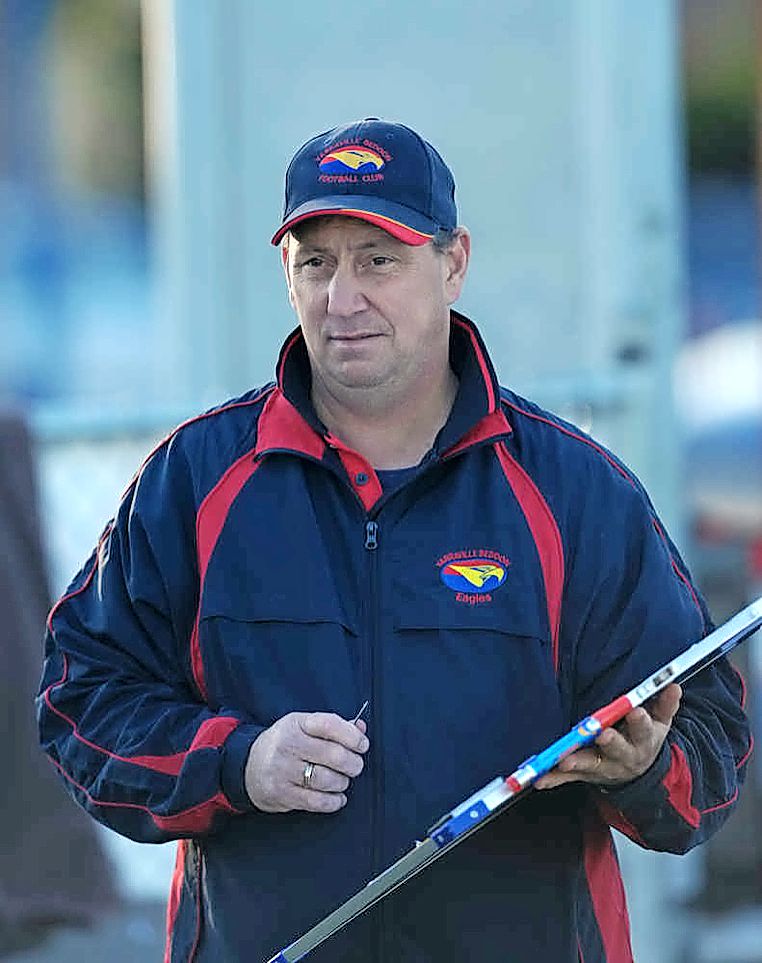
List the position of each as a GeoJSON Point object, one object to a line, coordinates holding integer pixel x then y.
{"type": "Point", "coordinates": [278, 757]}
{"type": "Point", "coordinates": [619, 756]}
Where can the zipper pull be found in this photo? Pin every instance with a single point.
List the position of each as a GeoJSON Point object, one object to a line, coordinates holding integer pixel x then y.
{"type": "Point", "coordinates": [371, 535]}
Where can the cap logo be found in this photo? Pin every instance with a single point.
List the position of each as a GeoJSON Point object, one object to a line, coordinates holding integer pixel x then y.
{"type": "Point", "coordinates": [358, 160]}
{"type": "Point", "coordinates": [349, 162]}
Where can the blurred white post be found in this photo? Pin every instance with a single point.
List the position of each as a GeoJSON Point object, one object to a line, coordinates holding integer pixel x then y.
{"type": "Point", "coordinates": [627, 110]}
{"type": "Point", "coordinates": [195, 145]}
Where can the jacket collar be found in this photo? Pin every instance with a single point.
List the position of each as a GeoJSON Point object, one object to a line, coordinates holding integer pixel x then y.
{"type": "Point", "coordinates": [289, 421]}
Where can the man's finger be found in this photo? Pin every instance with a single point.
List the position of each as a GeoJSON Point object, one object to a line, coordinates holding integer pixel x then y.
{"type": "Point", "coordinates": [322, 779]}
{"type": "Point", "coordinates": [583, 761]}
{"type": "Point", "coordinates": [314, 801]}
{"type": "Point", "coordinates": [583, 765]}
{"type": "Point", "coordinates": [330, 754]}
{"type": "Point", "coordinates": [638, 726]}
{"type": "Point", "coordinates": [664, 706]}
{"type": "Point", "coordinates": [328, 726]}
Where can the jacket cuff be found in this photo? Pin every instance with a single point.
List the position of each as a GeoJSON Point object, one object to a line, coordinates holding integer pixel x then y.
{"type": "Point", "coordinates": [641, 790]}
{"type": "Point", "coordinates": [235, 752]}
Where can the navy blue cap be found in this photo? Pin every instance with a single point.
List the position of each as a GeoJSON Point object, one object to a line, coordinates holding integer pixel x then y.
{"type": "Point", "coordinates": [377, 171]}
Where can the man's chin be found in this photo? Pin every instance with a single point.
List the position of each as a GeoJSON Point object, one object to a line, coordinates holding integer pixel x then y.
{"type": "Point", "coordinates": [360, 381]}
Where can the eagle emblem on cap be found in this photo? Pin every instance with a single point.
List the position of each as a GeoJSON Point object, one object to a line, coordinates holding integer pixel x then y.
{"type": "Point", "coordinates": [354, 158]}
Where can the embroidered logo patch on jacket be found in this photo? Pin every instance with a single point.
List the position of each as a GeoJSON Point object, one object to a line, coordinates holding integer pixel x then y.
{"type": "Point", "coordinates": [473, 574]}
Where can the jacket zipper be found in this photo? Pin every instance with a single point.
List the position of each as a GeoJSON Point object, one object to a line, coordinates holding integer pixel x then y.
{"type": "Point", "coordinates": [371, 536]}
{"type": "Point", "coordinates": [371, 545]}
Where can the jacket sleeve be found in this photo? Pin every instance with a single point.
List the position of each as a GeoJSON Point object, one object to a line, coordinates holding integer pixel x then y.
{"type": "Point", "coordinates": [632, 607]}
{"type": "Point", "coordinates": [119, 714]}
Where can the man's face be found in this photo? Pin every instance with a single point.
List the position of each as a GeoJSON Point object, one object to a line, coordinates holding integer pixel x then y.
{"type": "Point", "coordinates": [374, 311]}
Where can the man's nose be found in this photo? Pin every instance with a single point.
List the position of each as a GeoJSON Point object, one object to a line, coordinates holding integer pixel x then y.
{"type": "Point", "coordinates": [345, 296]}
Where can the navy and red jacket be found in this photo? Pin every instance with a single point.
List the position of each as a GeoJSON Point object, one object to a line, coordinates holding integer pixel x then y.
{"type": "Point", "coordinates": [517, 582]}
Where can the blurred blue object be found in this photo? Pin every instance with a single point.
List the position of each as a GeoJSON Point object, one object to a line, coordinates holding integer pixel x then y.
{"type": "Point", "coordinates": [723, 252]}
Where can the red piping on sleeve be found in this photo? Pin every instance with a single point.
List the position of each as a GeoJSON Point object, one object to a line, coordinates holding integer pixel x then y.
{"type": "Point", "coordinates": [195, 820]}
{"type": "Point", "coordinates": [748, 752]}
{"type": "Point", "coordinates": [660, 532]}
{"type": "Point", "coordinates": [723, 805]}
{"type": "Point", "coordinates": [210, 735]}
{"type": "Point", "coordinates": [546, 535]}
{"type": "Point", "coordinates": [585, 441]}
{"type": "Point", "coordinates": [742, 681]}
{"type": "Point", "coordinates": [743, 686]}
{"type": "Point", "coordinates": [83, 586]}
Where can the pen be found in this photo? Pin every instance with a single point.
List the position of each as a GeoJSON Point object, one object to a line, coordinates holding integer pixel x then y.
{"type": "Point", "coordinates": [362, 709]}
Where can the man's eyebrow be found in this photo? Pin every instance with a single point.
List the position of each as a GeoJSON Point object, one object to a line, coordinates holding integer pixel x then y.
{"type": "Point", "coordinates": [313, 248]}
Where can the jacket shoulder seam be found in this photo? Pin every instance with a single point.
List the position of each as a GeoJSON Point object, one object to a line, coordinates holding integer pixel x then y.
{"type": "Point", "coordinates": [575, 436]}
{"type": "Point", "coordinates": [227, 406]}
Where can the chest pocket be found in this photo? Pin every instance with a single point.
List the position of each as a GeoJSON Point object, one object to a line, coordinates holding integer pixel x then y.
{"type": "Point", "coordinates": [275, 634]}
{"type": "Point", "coordinates": [474, 689]}
{"type": "Point", "coordinates": [490, 651]}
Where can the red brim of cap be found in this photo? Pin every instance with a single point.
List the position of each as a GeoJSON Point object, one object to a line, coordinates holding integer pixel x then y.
{"type": "Point", "coordinates": [402, 232]}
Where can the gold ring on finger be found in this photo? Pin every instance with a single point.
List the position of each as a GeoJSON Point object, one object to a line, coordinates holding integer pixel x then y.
{"type": "Point", "coordinates": [307, 774]}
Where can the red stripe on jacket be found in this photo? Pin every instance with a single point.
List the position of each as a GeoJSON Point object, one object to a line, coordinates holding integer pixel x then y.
{"type": "Point", "coordinates": [546, 536]}
{"type": "Point", "coordinates": [679, 785]}
{"type": "Point", "coordinates": [211, 734]}
{"type": "Point", "coordinates": [173, 904]}
{"type": "Point", "coordinates": [606, 891]}
{"type": "Point", "coordinates": [210, 520]}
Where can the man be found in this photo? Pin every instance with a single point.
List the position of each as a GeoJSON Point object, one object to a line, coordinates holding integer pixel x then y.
{"type": "Point", "coordinates": [385, 523]}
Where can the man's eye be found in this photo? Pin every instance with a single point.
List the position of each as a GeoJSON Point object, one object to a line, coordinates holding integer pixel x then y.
{"type": "Point", "coordinates": [380, 260]}
{"type": "Point", "coordinates": [313, 262]}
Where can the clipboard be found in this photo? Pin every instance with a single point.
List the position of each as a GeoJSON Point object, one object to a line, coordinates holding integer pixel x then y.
{"type": "Point", "coordinates": [504, 791]}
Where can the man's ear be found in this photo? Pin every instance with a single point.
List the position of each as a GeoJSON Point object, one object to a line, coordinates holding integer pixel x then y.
{"type": "Point", "coordinates": [284, 261]}
{"type": "Point", "coordinates": [457, 259]}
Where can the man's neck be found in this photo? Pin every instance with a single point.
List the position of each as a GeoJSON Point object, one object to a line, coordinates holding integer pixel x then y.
{"type": "Point", "coordinates": [392, 436]}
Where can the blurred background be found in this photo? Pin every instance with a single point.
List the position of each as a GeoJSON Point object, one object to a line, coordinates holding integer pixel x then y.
{"type": "Point", "coordinates": [607, 160]}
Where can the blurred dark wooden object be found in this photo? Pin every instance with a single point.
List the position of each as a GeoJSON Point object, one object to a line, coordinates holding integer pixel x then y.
{"type": "Point", "coordinates": [53, 870]}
